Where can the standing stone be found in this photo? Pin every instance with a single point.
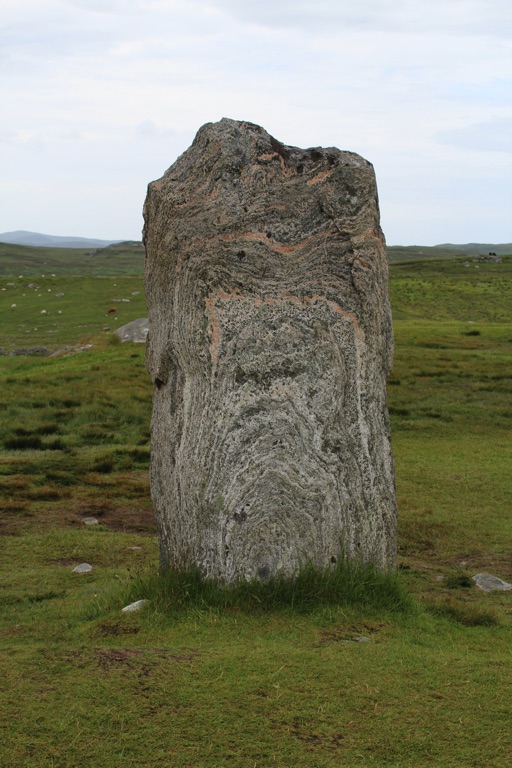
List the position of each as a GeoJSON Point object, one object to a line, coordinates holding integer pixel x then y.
{"type": "Point", "coordinates": [269, 344]}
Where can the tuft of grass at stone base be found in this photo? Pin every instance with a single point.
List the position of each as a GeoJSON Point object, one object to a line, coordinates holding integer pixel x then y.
{"type": "Point", "coordinates": [173, 591]}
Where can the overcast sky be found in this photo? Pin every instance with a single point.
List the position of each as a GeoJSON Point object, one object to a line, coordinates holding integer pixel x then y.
{"type": "Point", "coordinates": [99, 97]}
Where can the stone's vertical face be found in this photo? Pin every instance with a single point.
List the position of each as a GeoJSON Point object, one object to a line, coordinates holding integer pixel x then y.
{"type": "Point", "coordinates": [270, 341]}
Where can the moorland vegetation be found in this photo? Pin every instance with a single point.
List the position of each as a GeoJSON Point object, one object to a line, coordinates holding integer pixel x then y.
{"type": "Point", "coordinates": [411, 672]}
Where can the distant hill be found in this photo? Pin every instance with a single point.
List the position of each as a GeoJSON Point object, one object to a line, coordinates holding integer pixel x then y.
{"type": "Point", "coordinates": [125, 258]}
{"type": "Point", "coordinates": [446, 251]}
{"type": "Point", "coordinates": [22, 237]}
{"type": "Point", "coordinates": [502, 249]}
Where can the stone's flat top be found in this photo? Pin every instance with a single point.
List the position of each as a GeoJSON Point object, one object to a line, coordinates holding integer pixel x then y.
{"type": "Point", "coordinates": [136, 606]}
{"type": "Point", "coordinates": [89, 521]}
{"type": "Point", "coordinates": [236, 132]}
{"type": "Point", "coordinates": [136, 331]}
{"type": "Point", "coordinates": [83, 568]}
{"type": "Point", "coordinates": [223, 152]}
{"type": "Point", "coordinates": [489, 583]}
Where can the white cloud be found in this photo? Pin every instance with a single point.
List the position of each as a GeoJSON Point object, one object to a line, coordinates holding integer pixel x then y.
{"type": "Point", "coordinates": [110, 90]}
{"type": "Point", "coordinates": [446, 17]}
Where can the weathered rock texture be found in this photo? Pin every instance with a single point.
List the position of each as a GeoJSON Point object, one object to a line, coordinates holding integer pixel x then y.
{"type": "Point", "coordinates": [136, 331]}
{"type": "Point", "coordinates": [269, 344]}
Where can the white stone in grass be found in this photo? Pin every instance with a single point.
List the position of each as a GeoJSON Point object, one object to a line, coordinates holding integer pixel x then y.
{"type": "Point", "coordinates": [489, 583]}
{"type": "Point", "coordinates": [136, 606]}
{"type": "Point", "coordinates": [89, 521]}
{"type": "Point", "coordinates": [83, 568]}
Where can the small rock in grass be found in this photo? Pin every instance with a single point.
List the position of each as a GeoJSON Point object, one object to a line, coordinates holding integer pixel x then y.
{"type": "Point", "coordinates": [89, 521]}
{"type": "Point", "coordinates": [83, 568]}
{"type": "Point", "coordinates": [136, 606]}
{"type": "Point", "coordinates": [489, 583]}
{"type": "Point", "coordinates": [135, 548]}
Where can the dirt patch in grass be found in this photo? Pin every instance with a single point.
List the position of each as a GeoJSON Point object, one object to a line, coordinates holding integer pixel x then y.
{"type": "Point", "coordinates": [352, 632]}
{"type": "Point", "coordinates": [141, 661]}
{"type": "Point", "coordinates": [114, 657]}
{"type": "Point", "coordinates": [115, 628]}
{"type": "Point", "coordinates": [127, 518]}
{"type": "Point", "coordinates": [499, 564]}
{"type": "Point", "coordinates": [312, 740]}
{"type": "Point", "coordinates": [54, 507]}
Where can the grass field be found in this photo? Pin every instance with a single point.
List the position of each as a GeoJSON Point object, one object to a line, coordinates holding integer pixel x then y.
{"type": "Point", "coordinates": [53, 312]}
{"type": "Point", "coordinates": [420, 682]}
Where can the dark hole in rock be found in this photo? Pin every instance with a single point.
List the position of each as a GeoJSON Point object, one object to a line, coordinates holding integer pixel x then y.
{"type": "Point", "coordinates": [263, 572]}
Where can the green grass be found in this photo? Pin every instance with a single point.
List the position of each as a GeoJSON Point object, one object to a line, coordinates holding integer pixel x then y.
{"type": "Point", "coordinates": [53, 312]}
{"type": "Point", "coordinates": [346, 668]}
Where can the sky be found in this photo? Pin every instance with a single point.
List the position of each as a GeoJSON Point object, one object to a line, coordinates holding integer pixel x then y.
{"type": "Point", "coordinates": [99, 97]}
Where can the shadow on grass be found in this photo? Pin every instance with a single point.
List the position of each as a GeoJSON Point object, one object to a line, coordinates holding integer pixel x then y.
{"type": "Point", "coordinates": [462, 613]}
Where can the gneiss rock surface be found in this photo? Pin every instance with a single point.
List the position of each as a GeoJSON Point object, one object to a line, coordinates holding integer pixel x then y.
{"type": "Point", "coordinates": [270, 341]}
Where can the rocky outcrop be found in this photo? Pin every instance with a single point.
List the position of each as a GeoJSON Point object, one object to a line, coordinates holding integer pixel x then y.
{"type": "Point", "coordinates": [40, 351]}
{"type": "Point", "coordinates": [270, 341]}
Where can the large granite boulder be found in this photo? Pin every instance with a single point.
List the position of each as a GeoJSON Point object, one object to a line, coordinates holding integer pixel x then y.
{"type": "Point", "coordinates": [270, 341]}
